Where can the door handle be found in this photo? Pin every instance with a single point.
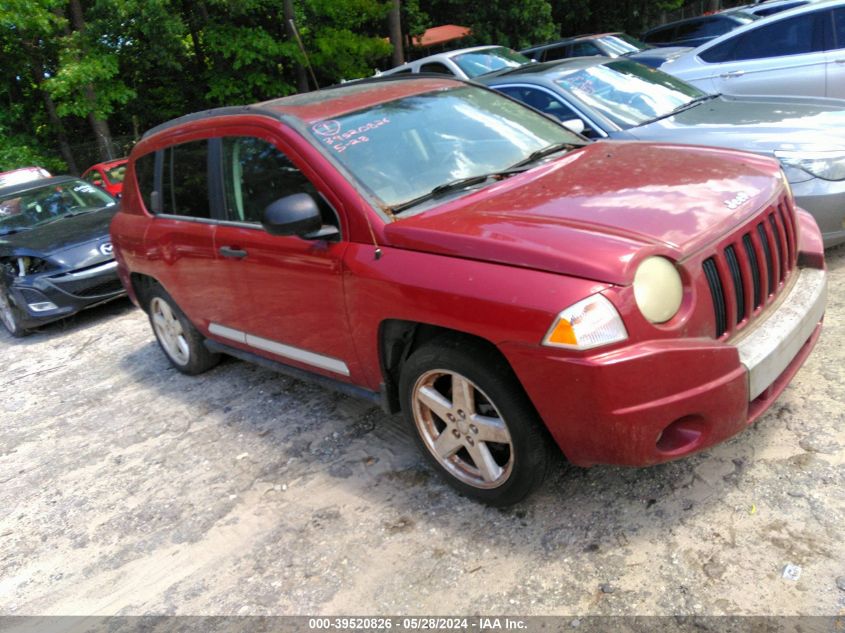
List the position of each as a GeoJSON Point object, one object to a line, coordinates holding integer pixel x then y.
{"type": "Point", "coordinates": [733, 73]}
{"type": "Point", "coordinates": [839, 61]}
{"type": "Point", "coordinates": [236, 253]}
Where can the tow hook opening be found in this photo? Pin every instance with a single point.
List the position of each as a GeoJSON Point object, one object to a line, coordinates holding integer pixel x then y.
{"type": "Point", "coordinates": [682, 436]}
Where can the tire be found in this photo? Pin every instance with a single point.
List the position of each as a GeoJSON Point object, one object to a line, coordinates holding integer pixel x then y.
{"type": "Point", "coordinates": [180, 341]}
{"type": "Point", "coordinates": [492, 422]}
{"type": "Point", "coordinates": [11, 315]}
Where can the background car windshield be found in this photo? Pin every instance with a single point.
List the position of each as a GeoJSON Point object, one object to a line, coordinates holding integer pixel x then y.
{"type": "Point", "coordinates": [482, 62]}
{"type": "Point", "coordinates": [30, 208]}
{"type": "Point", "coordinates": [403, 149]}
{"type": "Point", "coordinates": [622, 44]}
{"type": "Point", "coordinates": [628, 93]}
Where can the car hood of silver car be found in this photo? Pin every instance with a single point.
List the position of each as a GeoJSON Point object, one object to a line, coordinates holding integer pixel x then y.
{"type": "Point", "coordinates": [759, 124]}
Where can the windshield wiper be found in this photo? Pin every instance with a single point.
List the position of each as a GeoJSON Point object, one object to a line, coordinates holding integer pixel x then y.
{"type": "Point", "coordinates": [14, 230]}
{"type": "Point", "coordinates": [76, 213]}
{"type": "Point", "coordinates": [682, 107]}
{"type": "Point", "coordinates": [455, 185]}
{"type": "Point", "coordinates": [542, 153]}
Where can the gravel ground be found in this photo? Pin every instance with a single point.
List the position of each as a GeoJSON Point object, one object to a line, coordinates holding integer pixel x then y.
{"type": "Point", "coordinates": [128, 488]}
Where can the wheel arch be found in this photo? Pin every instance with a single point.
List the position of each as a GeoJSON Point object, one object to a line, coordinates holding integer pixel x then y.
{"type": "Point", "coordinates": [398, 339]}
{"type": "Point", "coordinates": [141, 286]}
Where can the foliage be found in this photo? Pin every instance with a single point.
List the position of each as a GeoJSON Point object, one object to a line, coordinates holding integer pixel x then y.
{"type": "Point", "coordinates": [135, 63]}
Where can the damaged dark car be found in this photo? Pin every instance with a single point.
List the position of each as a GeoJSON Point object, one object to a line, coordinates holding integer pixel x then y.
{"type": "Point", "coordinates": [55, 252]}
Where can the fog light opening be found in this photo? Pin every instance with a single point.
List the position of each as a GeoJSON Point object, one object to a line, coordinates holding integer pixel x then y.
{"type": "Point", "coordinates": [682, 436]}
{"type": "Point", "coordinates": [42, 306]}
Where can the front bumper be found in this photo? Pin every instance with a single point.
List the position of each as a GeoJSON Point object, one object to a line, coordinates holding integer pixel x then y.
{"type": "Point", "coordinates": [68, 292]}
{"type": "Point", "coordinates": [825, 201]}
{"type": "Point", "coordinates": [654, 401]}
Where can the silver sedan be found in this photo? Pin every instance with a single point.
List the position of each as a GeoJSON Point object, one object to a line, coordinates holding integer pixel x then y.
{"type": "Point", "coordinates": [797, 52]}
{"type": "Point", "coordinates": [620, 99]}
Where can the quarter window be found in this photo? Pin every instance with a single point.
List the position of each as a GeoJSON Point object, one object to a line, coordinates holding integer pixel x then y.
{"type": "Point", "coordinates": [145, 175]}
{"type": "Point", "coordinates": [184, 181]}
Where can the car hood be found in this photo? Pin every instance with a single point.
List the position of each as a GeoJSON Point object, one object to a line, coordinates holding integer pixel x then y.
{"type": "Point", "coordinates": [595, 212]}
{"type": "Point", "coordinates": [71, 242]}
{"type": "Point", "coordinates": [758, 124]}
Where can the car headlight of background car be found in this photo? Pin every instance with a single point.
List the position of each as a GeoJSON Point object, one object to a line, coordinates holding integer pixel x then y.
{"type": "Point", "coordinates": [658, 289]}
{"type": "Point", "coordinates": [23, 266]}
{"type": "Point", "coordinates": [825, 165]}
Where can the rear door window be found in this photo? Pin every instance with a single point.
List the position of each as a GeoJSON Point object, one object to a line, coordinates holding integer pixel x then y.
{"type": "Point", "coordinates": [184, 180]}
{"type": "Point", "coordinates": [660, 36]}
{"type": "Point", "coordinates": [707, 27]}
{"type": "Point", "coordinates": [434, 67]}
{"type": "Point", "coordinates": [556, 52]}
{"type": "Point", "coordinates": [584, 49]}
{"type": "Point", "coordinates": [793, 36]}
{"type": "Point", "coordinates": [839, 28]}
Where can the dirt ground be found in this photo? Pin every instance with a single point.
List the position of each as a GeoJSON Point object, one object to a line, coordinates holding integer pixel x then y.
{"type": "Point", "coordinates": [128, 488]}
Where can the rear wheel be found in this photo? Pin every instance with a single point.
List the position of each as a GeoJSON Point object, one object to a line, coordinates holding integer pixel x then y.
{"type": "Point", "coordinates": [11, 315]}
{"type": "Point", "coordinates": [474, 422]}
{"type": "Point", "coordinates": [181, 342]}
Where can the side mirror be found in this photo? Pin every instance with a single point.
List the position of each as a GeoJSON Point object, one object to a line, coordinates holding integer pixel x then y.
{"type": "Point", "coordinates": [296, 214]}
{"type": "Point", "coordinates": [574, 125]}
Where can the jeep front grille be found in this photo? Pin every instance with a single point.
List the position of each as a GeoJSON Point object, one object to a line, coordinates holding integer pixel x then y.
{"type": "Point", "coordinates": [748, 273]}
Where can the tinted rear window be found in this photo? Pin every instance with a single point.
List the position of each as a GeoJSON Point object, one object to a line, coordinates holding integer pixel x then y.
{"type": "Point", "coordinates": [792, 36]}
{"type": "Point", "coordinates": [184, 180]}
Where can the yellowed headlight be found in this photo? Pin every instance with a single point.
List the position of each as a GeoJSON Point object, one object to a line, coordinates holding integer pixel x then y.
{"type": "Point", "coordinates": [658, 289]}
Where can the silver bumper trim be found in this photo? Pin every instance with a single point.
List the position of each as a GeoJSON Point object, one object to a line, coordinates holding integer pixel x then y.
{"type": "Point", "coordinates": [89, 272]}
{"type": "Point", "coordinates": [767, 351]}
{"type": "Point", "coordinates": [280, 349]}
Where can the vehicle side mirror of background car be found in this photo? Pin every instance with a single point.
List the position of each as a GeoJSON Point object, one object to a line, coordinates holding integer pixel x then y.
{"type": "Point", "coordinates": [296, 214]}
{"type": "Point", "coordinates": [574, 125]}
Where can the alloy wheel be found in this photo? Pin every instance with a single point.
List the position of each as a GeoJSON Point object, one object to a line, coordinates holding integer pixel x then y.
{"type": "Point", "coordinates": [462, 428]}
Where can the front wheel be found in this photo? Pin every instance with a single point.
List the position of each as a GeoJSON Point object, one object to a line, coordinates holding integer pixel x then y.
{"type": "Point", "coordinates": [474, 422]}
{"type": "Point", "coordinates": [11, 315]}
{"type": "Point", "coordinates": [181, 342]}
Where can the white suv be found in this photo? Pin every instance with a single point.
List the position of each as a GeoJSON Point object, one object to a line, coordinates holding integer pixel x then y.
{"type": "Point", "coordinates": [464, 63]}
{"type": "Point", "coordinates": [796, 52]}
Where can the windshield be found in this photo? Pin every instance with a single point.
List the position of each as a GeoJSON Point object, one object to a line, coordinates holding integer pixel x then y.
{"type": "Point", "coordinates": [403, 149]}
{"type": "Point", "coordinates": [478, 63]}
{"type": "Point", "coordinates": [628, 93]}
{"type": "Point", "coordinates": [621, 44]}
{"type": "Point", "coordinates": [40, 205]}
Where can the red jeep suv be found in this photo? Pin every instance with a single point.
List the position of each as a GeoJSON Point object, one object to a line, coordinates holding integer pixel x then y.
{"type": "Point", "coordinates": [440, 249]}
